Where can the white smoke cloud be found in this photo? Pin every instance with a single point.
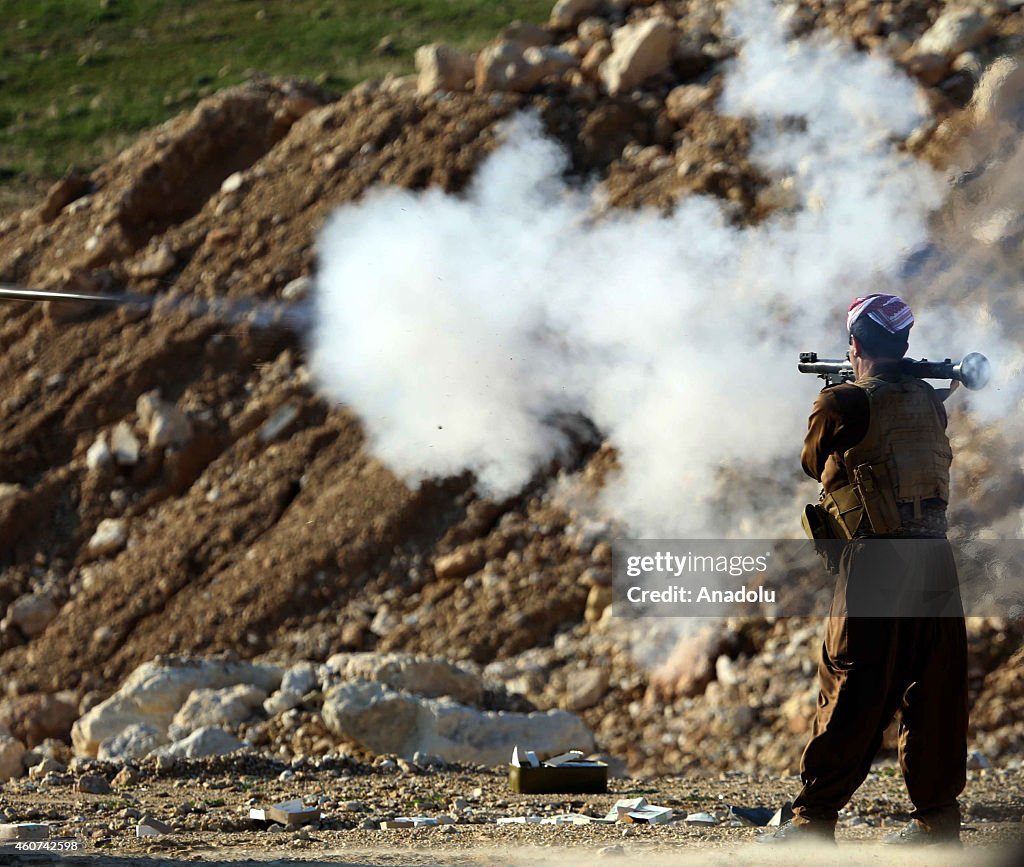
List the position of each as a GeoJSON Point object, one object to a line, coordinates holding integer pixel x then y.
{"type": "Point", "coordinates": [458, 325]}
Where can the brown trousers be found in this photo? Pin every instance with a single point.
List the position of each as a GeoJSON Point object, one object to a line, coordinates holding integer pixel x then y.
{"type": "Point", "coordinates": [870, 668]}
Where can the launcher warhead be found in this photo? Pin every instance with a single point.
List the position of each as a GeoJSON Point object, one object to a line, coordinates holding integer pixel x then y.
{"type": "Point", "coordinates": [974, 371]}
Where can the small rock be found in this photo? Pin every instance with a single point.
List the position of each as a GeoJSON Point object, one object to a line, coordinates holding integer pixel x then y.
{"type": "Point", "coordinates": [31, 614]}
{"type": "Point", "coordinates": [209, 741]}
{"type": "Point", "coordinates": [124, 445]}
{"type": "Point", "coordinates": [441, 67]}
{"type": "Point", "coordinates": [977, 762]}
{"type": "Point", "coordinates": [99, 456]}
{"type": "Point", "coordinates": [167, 424]}
{"type": "Point", "coordinates": [127, 776]}
{"type": "Point", "coordinates": [46, 766]}
{"type": "Point", "coordinates": [281, 701]}
{"type": "Point", "coordinates": [639, 51]}
{"type": "Point", "coordinates": [93, 784]}
{"type": "Point", "coordinates": [611, 851]}
{"type": "Point", "coordinates": [133, 742]}
{"type": "Point", "coordinates": [156, 264]}
{"type": "Point", "coordinates": [955, 31]}
{"type": "Point", "coordinates": [300, 678]}
{"type": "Point", "coordinates": [461, 562]}
{"type": "Point", "coordinates": [586, 688]}
{"type": "Point", "coordinates": [297, 289]}
{"type": "Point", "coordinates": [279, 422]}
{"type": "Point", "coordinates": [683, 101]}
{"type": "Point", "coordinates": [233, 183]}
{"type": "Point", "coordinates": [568, 13]}
{"type": "Point", "coordinates": [110, 537]}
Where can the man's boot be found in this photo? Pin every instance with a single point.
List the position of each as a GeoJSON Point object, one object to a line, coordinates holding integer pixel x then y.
{"type": "Point", "coordinates": [916, 834]}
{"type": "Point", "coordinates": [803, 832]}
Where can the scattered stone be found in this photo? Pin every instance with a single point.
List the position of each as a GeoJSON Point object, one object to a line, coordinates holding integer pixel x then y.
{"type": "Point", "coordinates": [93, 784]}
{"type": "Point", "coordinates": [62, 194]}
{"type": "Point", "coordinates": [110, 537]}
{"type": "Point", "coordinates": [155, 691]}
{"type": "Point", "coordinates": [300, 678]}
{"type": "Point", "coordinates": [215, 707]}
{"type": "Point", "coordinates": [598, 599]}
{"type": "Point", "coordinates": [611, 851]}
{"type": "Point", "coordinates": [386, 721]}
{"type": "Point", "coordinates": [977, 762]}
{"type": "Point", "coordinates": [441, 67]}
{"type": "Point", "coordinates": [461, 562]}
{"type": "Point", "coordinates": [31, 614]}
{"type": "Point", "coordinates": [281, 701]}
{"type": "Point", "coordinates": [929, 68]}
{"type": "Point", "coordinates": [431, 677]}
{"type": "Point", "coordinates": [155, 264]}
{"type": "Point", "coordinates": [46, 766]}
{"type": "Point", "coordinates": [297, 289]}
{"type": "Point", "coordinates": [567, 14]}
{"type": "Point", "coordinates": [683, 101]}
{"type": "Point", "coordinates": [955, 31]}
{"type": "Point", "coordinates": [586, 688]}
{"type": "Point", "coordinates": [166, 423]}
{"type": "Point", "coordinates": [639, 51]}
{"type": "Point", "coordinates": [233, 183]}
{"type": "Point", "coordinates": [124, 445]}
{"type": "Point", "coordinates": [12, 752]}
{"type": "Point", "coordinates": [99, 457]}
{"type": "Point", "coordinates": [209, 741]}
{"type": "Point", "coordinates": [279, 422]}
{"type": "Point", "coordinates": [125, 777]}
{"type": "Point", "coordinates": [134, 742]}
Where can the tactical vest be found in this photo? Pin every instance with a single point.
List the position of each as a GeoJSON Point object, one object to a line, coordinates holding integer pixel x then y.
{"type": "Point", "coordinates": [902, 462]}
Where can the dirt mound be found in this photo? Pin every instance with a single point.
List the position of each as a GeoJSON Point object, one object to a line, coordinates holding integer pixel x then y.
{"type": "Point", "coordinates": [267, 527]}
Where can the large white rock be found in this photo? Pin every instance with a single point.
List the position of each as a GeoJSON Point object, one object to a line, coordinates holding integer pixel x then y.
{"type": "Point", "coordinates": [209, 741]}
{"type": "Point", "coordinates": [638, 51]}
{"type": "Point", "coordinates": [442, 67]}
{"type": "Point", "coordinates": [155, 691]}
{"type": "Point", "coordinates": [215, 707]}
{"type": "Point", "coordinates": [31, 614]}
{"type": "Point", "coordinates": [954, 32]}
{"type": "Point", "coordinates": [134, 742]}
{"type": "Point", "coordinates": [430, 677]}
{"type": "Point", "coordinates": [12, 752]}
{"type": "Point", "coordinates": [386, 721]}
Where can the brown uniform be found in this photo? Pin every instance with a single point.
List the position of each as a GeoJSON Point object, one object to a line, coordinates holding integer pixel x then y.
{"type": "Point", "coordinates": [872, 667]}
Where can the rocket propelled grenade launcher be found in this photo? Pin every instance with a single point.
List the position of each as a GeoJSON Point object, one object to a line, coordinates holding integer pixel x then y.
{"type": "Point", "coordinates": [973, 371]}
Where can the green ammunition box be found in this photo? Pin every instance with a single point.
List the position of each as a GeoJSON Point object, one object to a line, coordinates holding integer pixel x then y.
{"type": "Point", "coordinates": [588, 778]}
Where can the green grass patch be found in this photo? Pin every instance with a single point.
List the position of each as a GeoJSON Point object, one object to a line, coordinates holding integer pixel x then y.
{"type": "Point", "coordinates": [80, 78]}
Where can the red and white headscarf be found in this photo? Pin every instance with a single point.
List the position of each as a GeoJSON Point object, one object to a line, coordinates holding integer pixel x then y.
{"type": "Point", "coordinates": [889, 311]}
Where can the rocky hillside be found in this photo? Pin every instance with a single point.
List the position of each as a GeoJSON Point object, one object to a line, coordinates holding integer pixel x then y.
{"type": "Point", "coordinates": [172, 482]}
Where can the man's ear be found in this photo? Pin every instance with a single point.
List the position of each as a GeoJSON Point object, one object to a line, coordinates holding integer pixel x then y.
{"type": "Point", "coordinates": [855, 348]}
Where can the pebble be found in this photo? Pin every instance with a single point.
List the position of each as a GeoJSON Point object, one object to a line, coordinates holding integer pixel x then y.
{"type": "Point", "coordinates": [611, 851]}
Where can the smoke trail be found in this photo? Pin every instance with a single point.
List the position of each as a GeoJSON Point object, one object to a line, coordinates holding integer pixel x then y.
{"type": "Point", "coordinates": [458, 326]}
